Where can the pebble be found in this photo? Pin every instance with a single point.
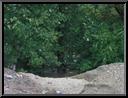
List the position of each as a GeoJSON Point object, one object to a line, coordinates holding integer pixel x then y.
{"type": "Point", "coordinates": [58, 92]}
{"type": "Point", "coordinates": [19, 75]}
{"type": "Point", "coordinates": [8, 76]}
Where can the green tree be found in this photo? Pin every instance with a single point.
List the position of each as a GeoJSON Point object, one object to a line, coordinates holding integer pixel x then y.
{"type": "Point", "coordinates": [39, 37]}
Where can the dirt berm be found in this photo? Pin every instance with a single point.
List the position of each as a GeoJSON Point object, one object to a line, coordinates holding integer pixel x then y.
{"type": "Point", "coordinates": [106, 79]}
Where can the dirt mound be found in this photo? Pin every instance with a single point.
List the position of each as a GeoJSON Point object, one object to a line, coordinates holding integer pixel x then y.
{"type": "Point", "coordinates": [16, 83]}
{"type": "Point", "coordinates": [111, 76]}
{"type": "Point", "coordinates": [106, 79]}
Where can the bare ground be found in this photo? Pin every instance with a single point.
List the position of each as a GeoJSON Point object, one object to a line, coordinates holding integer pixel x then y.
{"type": "Point", "coordinates": [106, 79]}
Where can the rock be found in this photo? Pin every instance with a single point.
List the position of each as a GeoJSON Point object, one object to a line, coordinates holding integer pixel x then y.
{"type": "Point", "coordinates": [19, 75]}
{"type": "Point", "coordinates": [106, 79]}
{"type": "Point", "coordinates": [58, 92]}
{"type": "Point", "coordinates": [44, 92]}
{"type": "Point", "coordinates": [8, 76]}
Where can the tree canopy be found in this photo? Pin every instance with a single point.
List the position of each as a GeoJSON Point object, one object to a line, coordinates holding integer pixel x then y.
{"type": "Point", "coordinates": [42, 37]}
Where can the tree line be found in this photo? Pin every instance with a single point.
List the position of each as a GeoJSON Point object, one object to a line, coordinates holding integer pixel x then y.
{"type": "Point", "coordinates": [60, 37]}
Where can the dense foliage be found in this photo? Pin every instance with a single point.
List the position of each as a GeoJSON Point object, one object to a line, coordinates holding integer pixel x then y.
{"type": "Point", "coordinates": [60, 37]}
